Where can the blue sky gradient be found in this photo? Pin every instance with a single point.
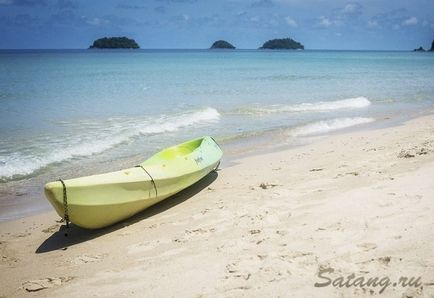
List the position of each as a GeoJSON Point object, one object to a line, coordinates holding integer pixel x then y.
{"type": "Point", "coordinates": [181, 24]}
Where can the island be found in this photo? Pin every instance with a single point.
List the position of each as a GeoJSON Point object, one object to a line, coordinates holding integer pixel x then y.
{"type": "Point", "coordinates": [222, 44]}
{"type": "Point", "coordinates": [432, 46]}
{"type": "Point", "coordinates": [282, 44]}
{"type": "Point", "coordinates": [420, 49]}
{"type": "Point", "coordinates": [114, 43]}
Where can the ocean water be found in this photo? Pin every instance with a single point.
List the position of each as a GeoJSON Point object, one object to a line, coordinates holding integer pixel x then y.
{"type": "Point", "coordinates": [78, 112]}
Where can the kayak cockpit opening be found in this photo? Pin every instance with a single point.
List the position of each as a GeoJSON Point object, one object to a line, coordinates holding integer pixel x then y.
{"type": "Point", "coordinates": [181, 150]}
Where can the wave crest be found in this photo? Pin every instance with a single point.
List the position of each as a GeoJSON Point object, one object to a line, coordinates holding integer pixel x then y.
{"type": "Point", "coordinates": [321, 106]}
{"type": "Point", "coordinates": [180, 121]}
{"type": "Point", "coordinates": [112, 134]}
{"type": "Point", "coordinates": [324, 126]}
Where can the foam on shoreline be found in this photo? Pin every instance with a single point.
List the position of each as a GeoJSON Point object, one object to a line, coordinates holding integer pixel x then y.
{"type": "Point", "coordinates": [321, 106]}
{"type": "Point", "coordinates": [325, 126]}
{"type": "Point", "coordinates": [19, 164]}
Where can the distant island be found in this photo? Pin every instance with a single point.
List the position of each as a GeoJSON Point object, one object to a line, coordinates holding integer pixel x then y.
{"type": "Point", "coordinates": [222, 44]}
{"type": "Point", "coordinates": [114, 43]}
{"type": "Point", "coordinates": [282, 44]}
{"type": "Point", "coordinates": [421, 49]}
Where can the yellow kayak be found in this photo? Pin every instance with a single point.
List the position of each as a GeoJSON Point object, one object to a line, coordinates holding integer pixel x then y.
{"type": "Point", "coordinates": [100, 200]}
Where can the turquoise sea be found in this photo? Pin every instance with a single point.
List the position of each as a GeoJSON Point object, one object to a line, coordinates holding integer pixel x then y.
{"type": "Point", "coordinates": [68, 113]}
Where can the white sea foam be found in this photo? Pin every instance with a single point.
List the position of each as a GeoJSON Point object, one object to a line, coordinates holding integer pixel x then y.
{"type": "Point", "coordinates": [110, 135]}
{"type": "Point", "coordinates": [180, 121]}
{"type": "Point", "coordinates": [325, 126]}
{"type": "Point", "coordinates": [321, 106]}
{"type": "Point", "coordinates": [18, 164]}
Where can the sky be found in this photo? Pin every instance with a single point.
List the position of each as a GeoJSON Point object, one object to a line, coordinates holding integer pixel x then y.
{"type": "Point", "coordinates": [190, 24]}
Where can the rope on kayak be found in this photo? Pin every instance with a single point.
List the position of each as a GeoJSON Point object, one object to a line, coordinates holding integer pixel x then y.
{"type": "Point", "coordinates": [152, 179]}
{"type": "Point", "coordinates": [65, 206]}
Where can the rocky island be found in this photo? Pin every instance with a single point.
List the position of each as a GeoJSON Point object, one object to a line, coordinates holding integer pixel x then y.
{"type": "Point", "coordinates": [114, 43]}
{"type": "Point", "coordinates": [432, 46]}
{"type": "Point", "coordinates": [420, 49]}
{"type": "Point", "coordinates": [222, 44]}
{"type": "Point", "coordinates": [282, 44]}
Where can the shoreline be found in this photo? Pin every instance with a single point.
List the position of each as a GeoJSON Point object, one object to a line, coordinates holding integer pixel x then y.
{"type": "Point", "coordinates": [234, 149]}
{"type": "Point", "coordinates": [386, 121]}
{"type": "Point", "coordinates": [356, 201]}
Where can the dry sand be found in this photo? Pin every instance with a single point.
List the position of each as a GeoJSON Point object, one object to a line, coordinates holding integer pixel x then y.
{"type": "Point", "coordinates": [359, 202]}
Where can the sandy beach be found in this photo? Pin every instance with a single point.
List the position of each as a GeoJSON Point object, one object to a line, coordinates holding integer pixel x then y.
{"type": "Point", "coordinates": [355, 203]}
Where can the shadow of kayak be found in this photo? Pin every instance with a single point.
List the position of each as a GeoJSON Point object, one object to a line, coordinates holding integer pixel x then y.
{"type": "Point", "coordinates": [77, 235]}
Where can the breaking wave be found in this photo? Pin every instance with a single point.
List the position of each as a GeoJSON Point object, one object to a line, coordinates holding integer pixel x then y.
{"type": "Point", "coordinates": [325, 126]}
{"type": "Point", "coordinates": [321, 106]}
{"type": "Point", "coordinates": [106, 136]}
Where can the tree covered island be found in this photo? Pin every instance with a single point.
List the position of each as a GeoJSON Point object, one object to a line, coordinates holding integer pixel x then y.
{"type": "Point", "coordinates": [222, 44]}
{"type": "Point", "coordinates": [114, 43]}
{"type": "Point", "coordinates": [282, 44]}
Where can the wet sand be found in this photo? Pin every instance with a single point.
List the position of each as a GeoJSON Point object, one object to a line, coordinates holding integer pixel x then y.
{"type": "Point", "coordinates": [265, 225]}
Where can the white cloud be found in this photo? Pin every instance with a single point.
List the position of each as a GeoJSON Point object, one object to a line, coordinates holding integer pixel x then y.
{"type": "Point", "coordinates": [325, 22]}
{"type": "Point", "coordinates": [94, 21]}
{"type": "Point", "coordinates": [97, 22]}
{"type": "Point", "coordinates": [373, 24]}
{"type": "Point", "coordinates": [291, 22]}
{"type": "Point", "coordinates": [254, 19]}
{"type": "Point", "coordinates": [410, 21]}
{"type": "Point", "coordinates": [351, 8]}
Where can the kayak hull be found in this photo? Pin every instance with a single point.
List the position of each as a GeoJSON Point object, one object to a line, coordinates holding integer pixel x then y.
{"type": "Point", "coordinates": [101, 200]}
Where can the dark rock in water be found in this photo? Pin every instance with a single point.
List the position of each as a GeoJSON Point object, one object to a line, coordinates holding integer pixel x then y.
{"type": "Point", "coordinates": [420, 49]}
{"type": "Point", "coordinates": [222, 44]}
{"type": "Point", "coordinates": [432, 46]}
{"type": "Point", "coordinates": [114, 43]}
{"type": "Point", "coordinates": [282, 44]}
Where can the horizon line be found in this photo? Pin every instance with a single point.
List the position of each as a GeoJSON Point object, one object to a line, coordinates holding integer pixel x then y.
{"type": "Point", "coordinates": [186, 49]}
